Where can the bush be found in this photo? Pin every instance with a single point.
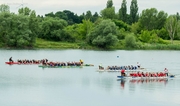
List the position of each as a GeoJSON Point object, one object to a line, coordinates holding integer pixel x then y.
{"type": "Point", "coordinates": [130, 41]}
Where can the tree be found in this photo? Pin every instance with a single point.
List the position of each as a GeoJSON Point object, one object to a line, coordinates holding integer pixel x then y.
{"type": "Point", "coordinates": [109, 4]}
{"type": "Point", "coordinates": [130, 41]}
{"type": "Point", "coordinates": [109, 11]}
{"type": "Point", "coordinates": [4, 8]}
{"type": "Point", "coordinates": [145, 36]}
{"type": "Point", "coordinates": [88, 15]}
{"type": "Point", "coordinates": [152, 19]}
{"type": "Point", "coordinates": [103, 35]}
{"type": "Point", "coordinates": [51, 14]}
{"type": "Point", "coordinates": [171, 26]}
{"type": "Point", "coordinates": [52, 29]}
{"type": "Point", "coordinates": [72, 18]}
{"type": "Point", "coordinates": [121, 24]}
{"type": "Point", "coordinates": [34, 27]}
{"type": "Point", "coordinates": [178, 16]}
{"type": "Point", "coordinates": [15, 30]}
{"type": "Point", "coordinates": [123, 11]}
{"type": "Point", "coordinates": [87, 26]}
{"type": "Point", "coordinates": [61, 15]}
{"type": "Point", "coordinates": [133, 11]}
{"type": "Point", "coordinates": [24, 11]}
{"type": "Point", "coordinates": [95, 17]}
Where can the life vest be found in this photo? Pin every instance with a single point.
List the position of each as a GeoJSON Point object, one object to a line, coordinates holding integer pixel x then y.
{"type": "Point", "coordinates": [135, 75]}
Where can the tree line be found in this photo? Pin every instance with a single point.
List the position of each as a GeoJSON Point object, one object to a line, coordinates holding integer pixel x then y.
{"type": "Point", "coordinates": [102, 30]}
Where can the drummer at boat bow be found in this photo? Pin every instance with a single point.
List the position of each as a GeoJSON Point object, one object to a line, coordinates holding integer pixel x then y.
{"type": "Point", "coordinates": [166, 71]}
{"type": "Point", "coordinates": [123, 72]}
{"type": "Point", "coordinates": [81, 61]}
{"type": "Point", "coordinates": [10, 59]}
{"type": "Point", "coordinates": [138, 65]}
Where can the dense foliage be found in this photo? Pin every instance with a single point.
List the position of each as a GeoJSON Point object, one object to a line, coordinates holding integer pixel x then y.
{"type": "Point", "coordinates": [105, 30]}
{"type": "Point", "coordinates": [103, 35]}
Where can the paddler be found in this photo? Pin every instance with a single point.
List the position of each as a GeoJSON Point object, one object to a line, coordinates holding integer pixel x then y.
{"type": "Point", "coordinates": [81, 61]}
{"type": "Point", "coordinates": [10, 59]}
{"type": "Point", "coordinates": [166, 72]}
{"type": "Point", "coordinates": [123, 72]}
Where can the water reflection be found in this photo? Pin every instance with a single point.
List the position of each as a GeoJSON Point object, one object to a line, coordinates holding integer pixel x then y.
{"type": "Point", "coordinates": [148, 81]}
{"type": "Point", "coordinates": [141, 81]}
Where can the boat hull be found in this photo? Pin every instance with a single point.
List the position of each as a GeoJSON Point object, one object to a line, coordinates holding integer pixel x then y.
{"type": "Point", "coordinates": [43, 66]}
{"type": "Point", "coordinates": [13, 63]}
{"type": "Point", "coordinates": [130, 77]}
{"type": "Point", "coordinates": [104, 70]}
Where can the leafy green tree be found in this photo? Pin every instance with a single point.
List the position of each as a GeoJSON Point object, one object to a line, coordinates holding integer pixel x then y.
{"type": "Point", "coordinates": [178, 29]}
{"type": "Point", "coordinates": [4, 8]}
{"type": "Point", "coordinates": [79, 31]}
{"type": "Point", "coordinates": [24, 11]}
{"type": "Point", "coordinates": [51, 14]}
{"type": "Point", "coordinates": [103, 35]}
{"type": "Point", "coordinates": [145, 36]}
{"type": "Point", "coordinates": [85, 29]}
{"type": "Point", "coordinates": [135, 28]}
{"type": "Point", "coordinates": [95, 17]}
{"type": "Point", "coordinates": [34, 27]}
{"type": "Point", "coordinates": [171, 26]}
{"type": "Point", "coordinates": [109, 4]}
{"type": "Point", "coordinates": [67, 15]}
{"type": "Point", "coordinates": [134, 12]}
{"type": "Point", "coordinates": [123, 11]}
{"type": "Point", "coordinates": [121, 24]}
{"type": "Point", "coordinates": [130, 41]}
{"type": "Point", "coordinates": [162, 33]}
{"type": "Point", "coordinates": [109, 11]}
{"type": "Point", "coordinates": [72, 18]}
{"type": "Point", "coordinates": [15, 30]}
{"type": "Point", "coordinates": [61, 15]}
{"type": "Point", "coordinates": [88, 15]}
{"type": "Point", "coordinates": [152, 19]}
{"type": "Point", "coordinates": [178, 16]}
{"type": "Point", "coordinates": [52, 29]}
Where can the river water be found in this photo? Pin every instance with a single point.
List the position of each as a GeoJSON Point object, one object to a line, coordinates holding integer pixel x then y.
{"type": "Point", "coordinates": [30, 85]}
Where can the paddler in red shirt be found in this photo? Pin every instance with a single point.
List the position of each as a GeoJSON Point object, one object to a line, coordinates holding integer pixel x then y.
{"type": "Point", "coordinates": [122, 72]}
{"type": "Point", "coordinates": [139, 74]}
{"type": "Point", "coordinates": [135, 75]}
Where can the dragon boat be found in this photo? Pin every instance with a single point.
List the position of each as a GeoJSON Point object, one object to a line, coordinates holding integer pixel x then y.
{"type": "Point", "coordinates": [132, 77]}
{"type": "Point", "coordinates": [20, 63]}
{"type": "Point", "coordinates": [66, 66]}
{"type": "Point", "coordinates": [119, 70]}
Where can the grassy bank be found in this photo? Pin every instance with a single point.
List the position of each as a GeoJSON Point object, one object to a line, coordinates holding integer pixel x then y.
{"type": "Point", "coordinates": [44, 44]}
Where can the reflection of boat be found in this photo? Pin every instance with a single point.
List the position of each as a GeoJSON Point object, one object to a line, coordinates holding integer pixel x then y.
{"type": "Point", "coordinates": [137, 81]}
{"type": "Point", "coordinates": [148, 80]}
{"type": "Point", "coordinates": [131, 77]}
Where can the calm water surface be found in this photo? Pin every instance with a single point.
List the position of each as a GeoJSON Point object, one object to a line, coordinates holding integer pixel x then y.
{"type": "Point", "coordinates": [30, 85]}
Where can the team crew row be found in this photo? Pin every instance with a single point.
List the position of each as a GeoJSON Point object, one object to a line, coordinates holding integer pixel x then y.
{"type": "Point", "coordinates": [146, 74]}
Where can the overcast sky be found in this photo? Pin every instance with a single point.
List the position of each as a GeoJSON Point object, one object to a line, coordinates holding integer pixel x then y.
{"type": "Point", "coordinates": [79, 6]}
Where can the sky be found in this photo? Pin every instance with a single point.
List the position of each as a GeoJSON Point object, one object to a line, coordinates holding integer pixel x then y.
{"type": "Point", "coordinates": [43, 7]}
